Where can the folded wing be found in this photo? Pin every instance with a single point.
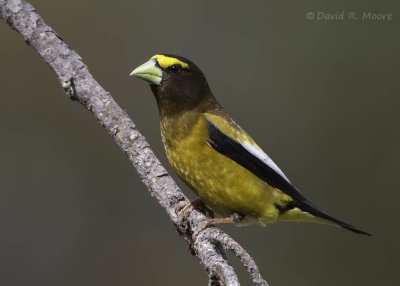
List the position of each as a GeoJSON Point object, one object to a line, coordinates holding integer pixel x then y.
{"type": "Point", "coordinates": [246, 153]}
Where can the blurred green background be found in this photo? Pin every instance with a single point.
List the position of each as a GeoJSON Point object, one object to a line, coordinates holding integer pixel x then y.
{"type": "Point", "coordinates": [321, 97]}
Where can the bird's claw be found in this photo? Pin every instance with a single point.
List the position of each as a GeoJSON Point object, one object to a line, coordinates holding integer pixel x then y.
{"type": "Point", "coordinates": [185, 212]}
{"type": "Point", "coordinates": [184, 209]}
{"type": "Point", "coordinates": [233, 218]}
{"type": "Point", "coordinates": [180, 205]}
{"type": "Point", "coordinates": [202, 226]}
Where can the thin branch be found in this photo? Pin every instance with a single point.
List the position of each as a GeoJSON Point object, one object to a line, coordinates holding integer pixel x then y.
{"type": "Point", "coordinates": [79, 85]}
{"type": "Point", "coordinates": [218, 236]}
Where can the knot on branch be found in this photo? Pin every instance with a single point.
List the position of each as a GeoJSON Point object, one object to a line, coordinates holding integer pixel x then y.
{"type": "Point", "coordinates": [70, 89]}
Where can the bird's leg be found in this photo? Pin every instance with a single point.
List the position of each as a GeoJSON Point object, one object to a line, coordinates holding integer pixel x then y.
{"type": "Point", "coordinates": [185, 210]}
{"type": "Point", "coordinates": [234, 218]}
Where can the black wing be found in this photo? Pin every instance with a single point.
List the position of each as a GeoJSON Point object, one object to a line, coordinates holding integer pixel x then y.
{"type": "Point", "coordinates": [236, 152]}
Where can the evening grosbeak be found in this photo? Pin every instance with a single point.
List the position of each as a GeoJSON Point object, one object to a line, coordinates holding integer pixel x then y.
{"type": "Point", "coordinates": [216, 158]}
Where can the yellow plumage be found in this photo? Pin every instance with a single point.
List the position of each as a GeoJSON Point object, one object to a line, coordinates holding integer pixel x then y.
{"type": "Point", "coordinates": [221, 183]}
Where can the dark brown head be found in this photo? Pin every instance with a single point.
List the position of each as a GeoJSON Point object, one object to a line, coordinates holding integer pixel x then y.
{"type": "Point", "coordinates": [176, 82]}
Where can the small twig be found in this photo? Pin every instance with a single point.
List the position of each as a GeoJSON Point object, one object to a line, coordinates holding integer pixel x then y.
{"type": "Point", "coordinates": [79, 85]}
{"type": "Point", "coordinates": [247, 261]}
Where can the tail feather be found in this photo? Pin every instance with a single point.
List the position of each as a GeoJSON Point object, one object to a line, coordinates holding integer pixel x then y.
{"type": "Point", "coordinates": [307, 206]}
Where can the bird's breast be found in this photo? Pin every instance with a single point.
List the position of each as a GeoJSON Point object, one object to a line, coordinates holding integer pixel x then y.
{"type": "Point", "coordinates": [220, 182]}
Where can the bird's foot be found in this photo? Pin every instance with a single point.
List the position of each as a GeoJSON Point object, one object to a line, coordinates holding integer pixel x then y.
{"type": "Point", "coordinates": [184, 210]}
{"type": "Point", "coordinates": [234, 218]}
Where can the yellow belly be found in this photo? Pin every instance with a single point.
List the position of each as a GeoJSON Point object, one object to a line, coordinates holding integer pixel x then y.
{"type": "Point", "coordinates": [220, 182]}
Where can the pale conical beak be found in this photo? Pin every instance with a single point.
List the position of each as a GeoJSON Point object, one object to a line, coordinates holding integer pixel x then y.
{"type": "Point", "coordinates": [148, 72]}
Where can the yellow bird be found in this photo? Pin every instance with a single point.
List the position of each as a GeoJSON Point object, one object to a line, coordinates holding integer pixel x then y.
{"type": "Point", "coordinates": [216, 158]}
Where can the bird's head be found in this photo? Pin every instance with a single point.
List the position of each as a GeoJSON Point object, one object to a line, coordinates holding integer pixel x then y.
{"type": "Point", "coordinates": [176, 82]}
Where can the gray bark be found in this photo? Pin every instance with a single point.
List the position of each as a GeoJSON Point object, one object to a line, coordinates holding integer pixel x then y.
{"type": "Point", "coordinates": [79, 85]}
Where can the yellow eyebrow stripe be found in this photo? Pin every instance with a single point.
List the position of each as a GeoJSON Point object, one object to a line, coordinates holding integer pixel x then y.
{"type": "Point", "coordinates": [166, 62]}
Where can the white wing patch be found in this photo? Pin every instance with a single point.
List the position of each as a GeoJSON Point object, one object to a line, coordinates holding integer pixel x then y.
{"type": "Point", "coordinates": [256, 151]}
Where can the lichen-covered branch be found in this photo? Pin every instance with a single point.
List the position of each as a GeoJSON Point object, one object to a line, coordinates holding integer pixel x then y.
{"type": "Point", "coordinates": [79, 85]}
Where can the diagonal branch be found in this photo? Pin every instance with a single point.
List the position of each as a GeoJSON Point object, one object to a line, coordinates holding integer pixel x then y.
{"type": "Point", "coordinates": [79, 85]}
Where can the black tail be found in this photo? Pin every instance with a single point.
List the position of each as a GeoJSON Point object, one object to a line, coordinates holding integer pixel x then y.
{"type": "Point", "coordinates": [310, 208]}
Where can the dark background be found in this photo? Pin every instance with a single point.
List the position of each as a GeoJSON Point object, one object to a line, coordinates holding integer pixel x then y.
{"type": "Point", "coordinates": [320, 97]}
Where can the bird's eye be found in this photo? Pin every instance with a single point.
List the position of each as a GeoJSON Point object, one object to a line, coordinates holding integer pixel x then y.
{"type": "Point", "coordinates": [175, 68]}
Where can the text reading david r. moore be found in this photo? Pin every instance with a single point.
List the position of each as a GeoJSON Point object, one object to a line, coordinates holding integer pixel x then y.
{"type": "Point", "coordinates": [348, 16]}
